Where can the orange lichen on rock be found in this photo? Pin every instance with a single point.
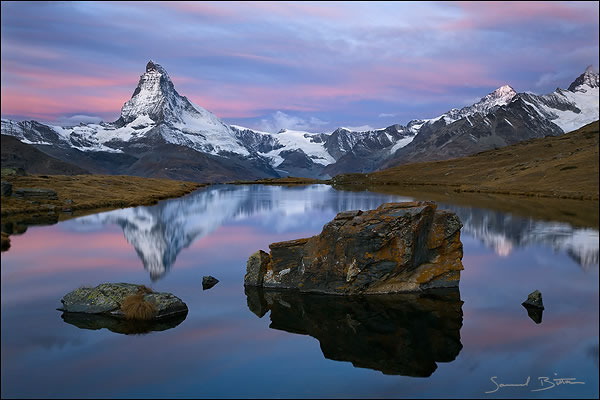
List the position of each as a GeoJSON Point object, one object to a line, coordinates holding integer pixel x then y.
{"type": "Point", "coordinates": [394, 248]}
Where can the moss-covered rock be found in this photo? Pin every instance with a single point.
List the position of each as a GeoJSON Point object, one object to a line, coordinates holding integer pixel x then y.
{"type": "Point", "coordinates": [107, 299]}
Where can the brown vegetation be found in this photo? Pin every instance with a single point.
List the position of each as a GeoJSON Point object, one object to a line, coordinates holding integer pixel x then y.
{"type": "Point", "coordinates": [144, 289]}
{"type": "Point", "coordinates": [85, 192]}
{"type": "Point", "coordinates": [563, 166]}
{"type": "Point", "coordinates": [136, 307]}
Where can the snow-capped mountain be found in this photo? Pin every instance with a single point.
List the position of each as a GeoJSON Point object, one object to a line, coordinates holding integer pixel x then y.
{"type": "Point", "coordinates": [310, 154]}
{"type": "Point", "coordinates": [157, 128]}
{"type": "Point", "coordinates": [503, 118]}
{"type": "Point", "coordinates": [163, 134]}
{"type": "Point", "coordinates": [290, 152]}
{"type": "Point", "coordinates": [499, 97]}
{"type": "Point", "coordinates": [156, 113]}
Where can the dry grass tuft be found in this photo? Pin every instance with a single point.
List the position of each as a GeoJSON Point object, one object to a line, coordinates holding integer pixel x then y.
{"type": "Point", "coordinates": [136, 307]}
{"type": "Point", "coordinates": [144, 289]}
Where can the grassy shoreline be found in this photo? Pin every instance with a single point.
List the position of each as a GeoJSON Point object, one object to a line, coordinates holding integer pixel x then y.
{"type": "Point", "coordinates": [80, 195]}
{"type": "Point", "coordinates": [85, 192]}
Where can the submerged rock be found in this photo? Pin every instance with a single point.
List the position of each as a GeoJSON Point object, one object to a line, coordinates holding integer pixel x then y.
{"type": "Point", "coordinates": [208, 282]}
{"type": "Point", "coordinates": [107, 299]}
{"type": "Point", "coordinates": [397, 334]}
{"type": "Point", "coordinates": [397, 247]}
{"type": "Point", "coordinates": [534, 299]}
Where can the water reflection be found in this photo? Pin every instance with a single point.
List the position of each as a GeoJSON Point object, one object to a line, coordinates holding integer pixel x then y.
{"type": "Point", "coordinates": [534, 313]}
{"type": "Point", "coordinates": [159, 233]}
{"type": "Point", "coordinates": [120, 325]}
{"type": "Point", "coordinates": [505, 232]}
{"type": "Point", "coordinates": [397, 334]}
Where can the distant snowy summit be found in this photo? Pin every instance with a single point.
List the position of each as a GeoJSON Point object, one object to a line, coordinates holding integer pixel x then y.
{"type": "Point", "coordinates": [158, 117]}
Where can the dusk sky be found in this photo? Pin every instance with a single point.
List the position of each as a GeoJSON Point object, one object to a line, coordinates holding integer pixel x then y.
{"type": "Point", "coordinates": [272, 65]}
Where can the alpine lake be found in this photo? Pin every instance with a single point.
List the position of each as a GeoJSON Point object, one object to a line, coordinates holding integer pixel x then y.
{"type": "Point", "coordinates": [474, 342]}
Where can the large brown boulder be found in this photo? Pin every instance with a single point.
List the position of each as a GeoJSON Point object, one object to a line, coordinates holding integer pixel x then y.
{"type": "Point", "coordinates": [398, 247]}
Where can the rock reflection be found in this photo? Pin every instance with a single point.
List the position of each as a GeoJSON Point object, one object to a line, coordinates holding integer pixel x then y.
{"type": "Point", "coordinates": [534, 313]}
{"type": "Point", "coordinates": [397, 334]}
{"type": "Point", "coordinates": [120, 325]}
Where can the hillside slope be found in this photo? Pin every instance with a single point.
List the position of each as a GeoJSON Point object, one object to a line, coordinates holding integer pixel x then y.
{"type": "Point", "coordinates": [562, 166]}
{"type": "Point", "coordinates": [16, 154]}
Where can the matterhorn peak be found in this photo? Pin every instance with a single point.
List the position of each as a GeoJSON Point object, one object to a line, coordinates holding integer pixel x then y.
{"type": "Point", "coordinates": [153, 96]}
{"type": "Point", "coordinates": [154, 67]}
{"type": "Point", "coordinates": [588, 78]}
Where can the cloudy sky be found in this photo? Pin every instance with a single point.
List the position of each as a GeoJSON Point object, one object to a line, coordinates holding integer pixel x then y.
{"type": "Point", "coordinates": [272, 65]}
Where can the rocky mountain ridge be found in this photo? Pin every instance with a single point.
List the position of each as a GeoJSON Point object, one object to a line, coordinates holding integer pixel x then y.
{"type": "Point", "coordinates": [157, 119]}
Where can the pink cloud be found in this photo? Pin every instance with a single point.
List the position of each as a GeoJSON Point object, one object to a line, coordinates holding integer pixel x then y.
{"type": "Point", "coordinates": [258, 9]}
{"type": "Point", "coordinates": [499, 14]}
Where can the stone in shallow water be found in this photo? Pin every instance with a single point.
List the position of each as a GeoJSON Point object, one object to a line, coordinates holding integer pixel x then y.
{"type": "Point", "coordinates": [398, 247]}
{"type": "Point", "coordinates": [534, 299]}
{"type": "Point", "coordinates": [107, 298]}
{"type": "Point", "coordinates": [208, 282]}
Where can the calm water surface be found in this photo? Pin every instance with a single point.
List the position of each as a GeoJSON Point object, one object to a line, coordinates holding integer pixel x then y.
{"type": "Point", "coordinates": [251, 344]}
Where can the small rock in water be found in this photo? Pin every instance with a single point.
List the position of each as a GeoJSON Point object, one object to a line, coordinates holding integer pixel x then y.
{"type": "Point", "coordinates": [208, 282]}
{"type": "Point", "coordinates": [534, 300]}
{"type": "Point", "coordinates": [108, 298]}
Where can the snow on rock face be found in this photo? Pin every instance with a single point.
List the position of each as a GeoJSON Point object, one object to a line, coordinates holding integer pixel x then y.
{"type": "Point", "coordinates": [589, 78]}
{"type": "Point", "coordinates": [499, 97]}
{"type": "Point", "coordinates": [271, 145]}
{"type": "Point", "coordinates": [150, 95]}
{"type": "Point", "coordinates": [185, 123]}
{"type": "Point", "coordinates": [570, 109]}
{"type": "Point", "coordinates": [298, 140]}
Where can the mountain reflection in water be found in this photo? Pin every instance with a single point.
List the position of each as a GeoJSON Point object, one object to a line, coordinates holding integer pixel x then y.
{"type": "Point", "coordinates": [159, 233]}
{"type": "Point", "coordinates": [397, 334]}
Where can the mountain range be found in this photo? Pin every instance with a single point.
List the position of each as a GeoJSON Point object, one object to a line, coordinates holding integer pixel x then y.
{"type": "Point", "coordinates": [161, 133]}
